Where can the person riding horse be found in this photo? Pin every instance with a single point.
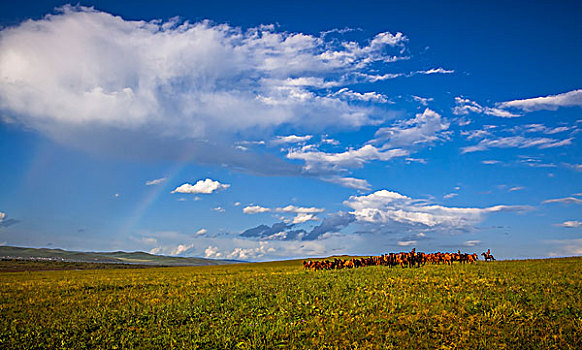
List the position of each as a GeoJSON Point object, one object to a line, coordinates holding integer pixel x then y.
{"type": "Point", "coordinates": [488, 255]}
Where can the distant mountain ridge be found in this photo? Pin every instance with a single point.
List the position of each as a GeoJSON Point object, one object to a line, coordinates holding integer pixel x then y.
{"type": "Point", "coordinates": [119, 257]}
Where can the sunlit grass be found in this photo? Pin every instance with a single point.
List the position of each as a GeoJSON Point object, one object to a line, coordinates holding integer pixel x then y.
{"type": "Point", "coordinates": [511, 304]}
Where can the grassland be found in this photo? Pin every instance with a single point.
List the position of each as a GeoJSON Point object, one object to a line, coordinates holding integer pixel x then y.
{"type": "Point", "coordinates": [533, 304]}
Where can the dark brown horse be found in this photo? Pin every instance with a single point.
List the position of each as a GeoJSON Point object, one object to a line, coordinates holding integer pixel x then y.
{"type": "Point", "coordinates": [487, 255]}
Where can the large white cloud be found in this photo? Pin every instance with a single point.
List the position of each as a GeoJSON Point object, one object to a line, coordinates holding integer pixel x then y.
{"type": "Point", "coordinates": [392, 208]}
{"type": "Point", "coordinates": [86, 68]}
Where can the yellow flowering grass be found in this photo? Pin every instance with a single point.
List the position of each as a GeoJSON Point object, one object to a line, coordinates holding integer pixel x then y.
{"type": "Point", "coordinates": [534, 304]}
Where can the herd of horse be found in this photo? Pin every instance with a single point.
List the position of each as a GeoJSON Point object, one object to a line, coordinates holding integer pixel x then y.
{"type": "Point", "coordinates": [402, 259]}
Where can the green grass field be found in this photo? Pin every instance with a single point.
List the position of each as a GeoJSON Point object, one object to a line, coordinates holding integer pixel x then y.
{"type": "Point", "coordinates": [535, 304]}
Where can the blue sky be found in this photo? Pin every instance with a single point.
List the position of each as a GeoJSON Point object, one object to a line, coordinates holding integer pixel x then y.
{"type": "Point", "coordinates": [262, 131]}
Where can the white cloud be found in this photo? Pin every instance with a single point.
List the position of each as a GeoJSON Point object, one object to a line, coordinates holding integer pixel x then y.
{"type": "Point", "coordinates": [416, 160]}
{"type": "Point", "coordinates": [172, 250]}
{"type": "Point", "coordinates": [201, 232]}
{"type": "Point", "coordinates": [291, 139]}
{"type": "Point", "coordinates": [517, 142]}
{"type": "Point", "coordinates": [251, 253]}
{"type": "Point", "coordinates": [423, 100]}
{"type": "Point", "coordinates": [255, 209]}
{"type": "Point", "coordinates": [439, 70]}
{"type": "Point", "coordinates": [327, 140]}
{"type": "Point", "coordinates": [182, 248]}
{"type": "Point", "coordinates": [516, 188]}
{"type": "Point", "coordinates": [544, 129]}
{"type": "Point", "coordinates": [476, 134]}
{"type": "Point", "coordinates": [236, 204]}
{"type": "Point", "coordinates": [465, 106]}
{"type": "Point", "coordinates": [212, 252]}
{"type": "Point", "coordinates": [471, 243]}
{"type": "Point", "coordinates": [490, 162]}
{"type": "Point", "coordinates": [304, 210]}
{"type": "Point", "coordinates": [536, 162]}
{"type": "Point", "coordinates": [372, 78]}
{"type": "Point", "coordinates": [450, 195]}
{"type": "Point", "coordinates": [570, 224]}
{"type": "Point", "coordinates": [303, 217]}
{"type": "Point", "coordinates": [391, 142]}
{"type": "Point", "coordinates": [566, 200]}
{"type": "Point", "coordinates": [386, 207]}
{"type": "Point", "coordinates": [424, 128]}
{"type": "Point", "coordinates": [219, 209]}
{"type": "Point", "coordinates": [2, 216]}
{"type": "Point", "coordinates": [349, 182]}
{"type": "Point", "coordinates": [406, 243]}
{"type": "Point", "coordinates": [366, 97]}
{"type": "Point", "coordinates": [552, 102]}
{"type": "Point", "coordinates": [321, 162]}
{"type": "Point", "coordinates": [156, 181]}
{"type": "Point", "coordinates": [206, 186]}
{"type": "Point", "coordinates": [85, 70]}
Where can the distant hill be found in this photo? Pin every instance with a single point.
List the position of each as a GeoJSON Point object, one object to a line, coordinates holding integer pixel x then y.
{"type": "Point", "coordinates": [119, 257]}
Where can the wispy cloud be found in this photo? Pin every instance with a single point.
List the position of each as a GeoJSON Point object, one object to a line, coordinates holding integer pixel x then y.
{"type": "Point", "coordinates": [471, 243]}
{"type": "Point", "coordinates": [465, 106]}
{"type": "Point", "coordinates": [570, 224]}
{"type": "Point", "coordinates": [422, 100]}
{"type": "Point", "coordinates": [350, 182]}
{"type": "Point", "coordinates": [490, 162]}
{"type": "Point", "coordinates": [551, 102]}
{"type": "Point", "coordinates": [156, 181]}
{"type": "Point", "coordinates": [279, 140]}
{"type": "Point", "coordinates": [438, 70]}
{"type": "Point", "coordinates": [565, 200]}
{"type": "Point", "coordinates": [255, 209]}
{"type": "Point", "coordinates": [517, 142]}
{"type": "Point", "coordinates": [424, 128]}
{"type": "Point", "coordinates": [371, 96]}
